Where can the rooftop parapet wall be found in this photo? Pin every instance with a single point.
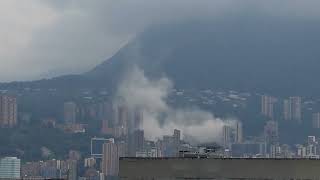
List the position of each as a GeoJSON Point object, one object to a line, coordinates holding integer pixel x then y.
{"type": "Point", "coordinates": [222, 168]}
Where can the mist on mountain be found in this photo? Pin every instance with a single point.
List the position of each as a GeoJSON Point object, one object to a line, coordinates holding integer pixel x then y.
{"type": "Point", "coordinates": [277, 56]}
{"type": "Point", "coordinates": [255, 52]}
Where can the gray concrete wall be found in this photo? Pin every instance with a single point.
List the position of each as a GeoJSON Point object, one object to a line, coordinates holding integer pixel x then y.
{"type": "Point", "coordinates": [179, 168]}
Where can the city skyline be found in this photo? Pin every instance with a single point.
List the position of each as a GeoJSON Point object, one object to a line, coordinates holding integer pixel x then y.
{"type": "Point", "coordinates": [149, 89]}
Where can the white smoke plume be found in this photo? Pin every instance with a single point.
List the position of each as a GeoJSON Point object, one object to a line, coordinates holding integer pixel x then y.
{"type": "Point", "coordinates": [160, 119]}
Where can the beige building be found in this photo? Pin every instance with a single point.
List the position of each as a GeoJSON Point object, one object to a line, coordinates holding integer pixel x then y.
{"type": "Point", "coordinates": [8, 111]}
{"type": "Point", "coordinates": [110, 158]}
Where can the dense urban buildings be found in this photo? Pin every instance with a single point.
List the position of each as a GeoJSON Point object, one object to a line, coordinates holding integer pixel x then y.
{"type": "Point", "coordinates": [199, 89]}
{"type": "Point", "coordinates": [8, 111]}
{"type": "Point", "coordinates": [111, 129]}
{"type": "Point", "coordinates": [50, 169]}
{"type": "Point", "coordinates": [249, 149]}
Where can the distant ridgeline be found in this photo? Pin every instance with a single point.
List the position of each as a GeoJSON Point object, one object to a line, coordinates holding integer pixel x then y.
{"type": "Point", "coordinates": [254, 54]}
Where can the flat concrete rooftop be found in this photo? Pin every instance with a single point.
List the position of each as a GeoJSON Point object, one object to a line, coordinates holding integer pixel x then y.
{"type": "Point", "coordinates": [219, 168]}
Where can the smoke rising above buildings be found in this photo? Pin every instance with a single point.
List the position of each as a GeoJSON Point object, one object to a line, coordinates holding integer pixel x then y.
{"type": "Point", "coordinates": [197, 126]}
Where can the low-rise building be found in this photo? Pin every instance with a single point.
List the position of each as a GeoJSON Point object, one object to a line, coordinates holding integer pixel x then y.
{"type": "Point", "coordinates": [10, 168]}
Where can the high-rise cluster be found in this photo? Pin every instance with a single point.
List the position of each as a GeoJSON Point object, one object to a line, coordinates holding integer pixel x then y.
{"type": "Point", "coordinates": [232, 134]}
{"type": "Point", "coordinates": [121, 120]}
{"type": "Point", "coordinates": [291, 108]}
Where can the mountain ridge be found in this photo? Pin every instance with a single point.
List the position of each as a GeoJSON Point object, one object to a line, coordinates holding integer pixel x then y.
{"type": "Point", "coordinates": [279, 57]}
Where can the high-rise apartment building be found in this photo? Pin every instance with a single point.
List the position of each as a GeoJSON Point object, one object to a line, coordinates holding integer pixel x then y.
{"type": "Point", "coordinates": [104, 111]}
{"type": "Point", "coordinates": [170, 145]}
{"type": "Point", "coordinates": [123, 116]}
{"type": "Point", "coordinates": [138, 119]}
{"type": "Point", "coordinates": [267, 106]}
{"type": "Point", "coordinates": [136, 142]}
{"type": "Point", "coordinates": [121, 126]}
{"type": "Point", "coordinates": [110, 158]}
{"type": "Point", "coordinates": [271, 132]}
{"type": "Point", "coordinates": [238, 132]}
{"type": "Point", "coordinates": [8, 111]}
{"type": "Point", "coordinates": [122, 149]}
{"type": "Point", "coordinates": [106, 129]}
{"type": "Point", "coordinates": [296, 108]}
{"type": "Point", "coordinates": [177, 136]}
{"type": "Point", "coordinates": [176, 140]}
{"type": "Point", "coordinates": [70, 112]}
{"type": "Point", "coordinates": [275, 150]}
{"type": "Point", "coordinates": [10, 168]}
{"type": "Point", "coordinates": [232, 134]}
{"type": "Point", "coordinates": [287, 114]}
{"type": "Point", "coordinates": [316, 120]}
{"type": "Point", "coordinates": [227, 136]}
{"type": "Point", "coordinates": [292, 109]}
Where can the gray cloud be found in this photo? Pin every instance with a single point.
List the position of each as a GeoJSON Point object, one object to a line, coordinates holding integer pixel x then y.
{"type": "Point", "coordinates": [44, 38]}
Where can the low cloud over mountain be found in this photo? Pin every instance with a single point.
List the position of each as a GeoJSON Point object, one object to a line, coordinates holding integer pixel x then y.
{"type": "Point", "coordinates": [46, 38]}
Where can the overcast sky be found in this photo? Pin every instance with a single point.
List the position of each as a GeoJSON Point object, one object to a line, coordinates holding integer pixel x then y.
{"type": "Point", "coordinates": [45, 38]}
